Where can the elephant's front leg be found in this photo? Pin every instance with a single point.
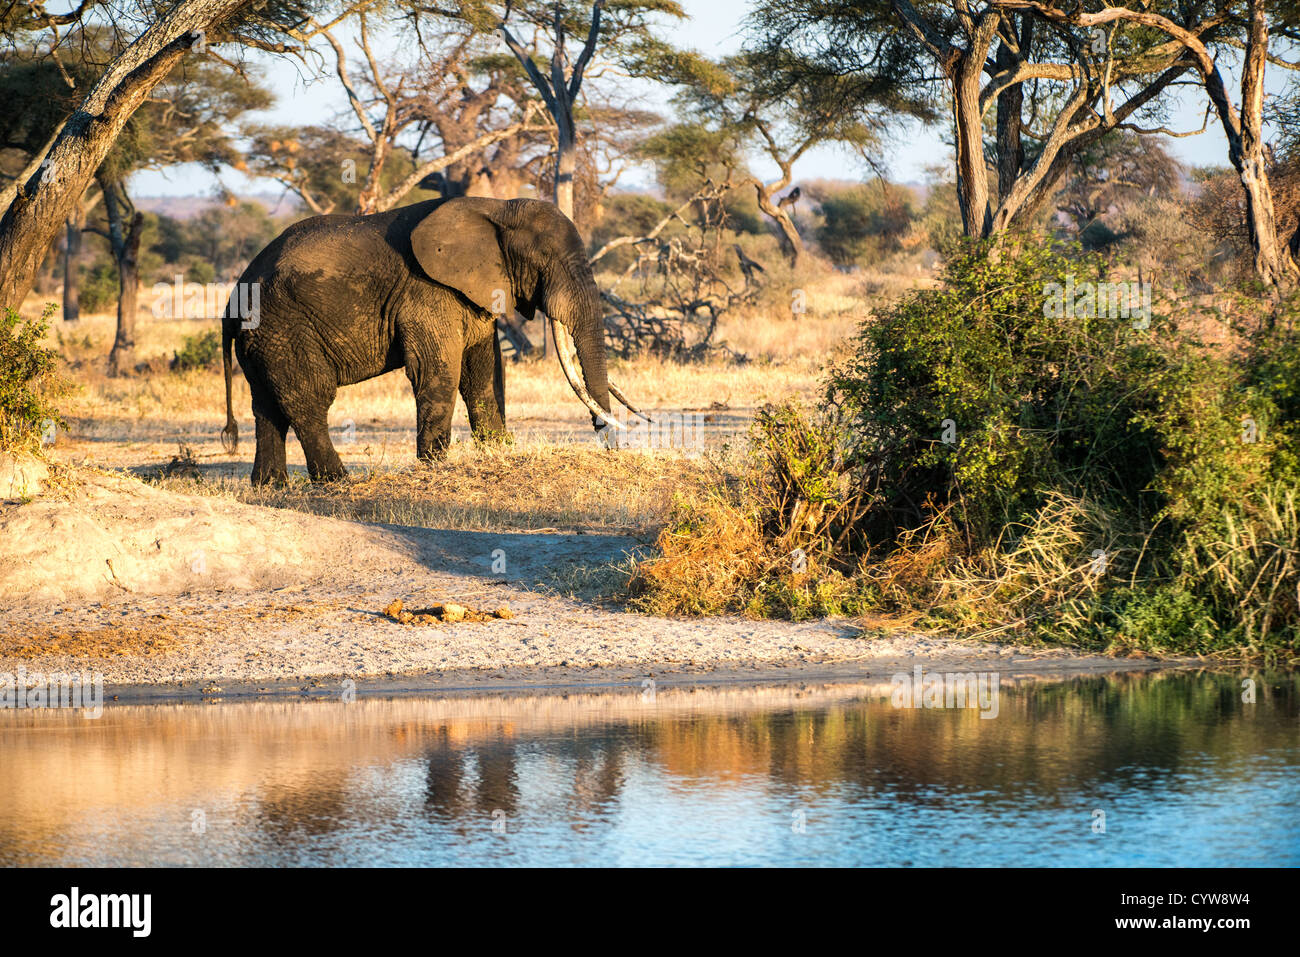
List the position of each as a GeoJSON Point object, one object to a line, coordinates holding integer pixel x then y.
{"type": "Point", "coordinates": [434, 379]}
{"type": "Point", "coordinates": [482, 386]}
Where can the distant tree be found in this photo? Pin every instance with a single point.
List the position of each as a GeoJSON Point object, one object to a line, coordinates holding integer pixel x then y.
{"type": "Point", "coordinates": [782, 105]}
{"type": "Point", "coordinates": [863, 220]}
{"type": "Point", "coordinates": [1111, 175]}
{"type": "Point", "coordinates": [221, 237]}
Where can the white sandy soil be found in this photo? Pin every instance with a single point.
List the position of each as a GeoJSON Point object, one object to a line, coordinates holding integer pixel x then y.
{"type": "Point", "coordinates": [104, 573]}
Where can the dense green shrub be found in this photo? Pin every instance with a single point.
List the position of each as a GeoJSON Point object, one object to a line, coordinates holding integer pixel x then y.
{"type": "Point", "coordinates": [978, 394]}
{"type": "Point", "coordinates": [28, 382]}
{"type": "Point", "coordinates": [991, 462]}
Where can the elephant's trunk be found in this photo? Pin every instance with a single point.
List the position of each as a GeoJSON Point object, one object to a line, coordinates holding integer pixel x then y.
{"type": "Point", "coordinates": [578, 311]}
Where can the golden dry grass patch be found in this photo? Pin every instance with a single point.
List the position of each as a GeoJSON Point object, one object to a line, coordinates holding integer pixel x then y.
{"type": "Point", "coordinates": [533, 487]}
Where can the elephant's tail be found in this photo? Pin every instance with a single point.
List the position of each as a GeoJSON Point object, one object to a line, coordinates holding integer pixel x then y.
{"type": "Point", "coordinates": [230, 434]}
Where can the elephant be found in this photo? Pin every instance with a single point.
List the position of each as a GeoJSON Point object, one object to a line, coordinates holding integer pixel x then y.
{"type": "Point", "coordinates": [335, 300]}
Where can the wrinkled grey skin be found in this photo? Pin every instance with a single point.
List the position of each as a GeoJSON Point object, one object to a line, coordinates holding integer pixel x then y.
{"type": "Point", "coordinates": [347, 298]}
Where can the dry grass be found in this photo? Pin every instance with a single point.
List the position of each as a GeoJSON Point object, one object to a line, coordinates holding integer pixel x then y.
{"type": "Point", "coordinates": [533, 488]}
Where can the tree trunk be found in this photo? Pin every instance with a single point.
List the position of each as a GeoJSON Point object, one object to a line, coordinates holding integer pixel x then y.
{"type": "Point", "coordinates": [121, 360]}
{"type": "Point", "coordinates": [1273, 260]}
{"type": "Point", "coordinates": [71, 274]}
{"type": "Point", "coordinates": [124, 237]}
{"type": "Point", "coordinates": [791, 241]}
{"type": "Point", "coordinates": [42, 204]}
{"type": "Point", "coordinates": [1010, 113]}
{"type": "Point", "coordinates": [566, 162]}
{"type": "Point", "coordinates": [513, 331]}
{"type": "Point", "coordinates": [972, 173]}
{"type": "Point", "coordinates": [1274, 263]}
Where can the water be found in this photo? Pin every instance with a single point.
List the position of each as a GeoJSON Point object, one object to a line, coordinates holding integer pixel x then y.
{"type": "Point", "coordinates": [1185, 773]}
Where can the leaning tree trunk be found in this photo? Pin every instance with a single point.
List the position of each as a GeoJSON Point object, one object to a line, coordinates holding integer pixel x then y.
{"type": "Point", "coordinates": [789, 238]}
{"type": "Point", "coordinates": [1274, 263]}
{"type": "Point", "coordinates": [43, 203]}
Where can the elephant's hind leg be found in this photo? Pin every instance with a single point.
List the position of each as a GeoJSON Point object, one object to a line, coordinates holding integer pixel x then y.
{"type": "Point", "coordinates": [306, 396]}
{"type": "Point", "coordinates": [323, 462]}
{"type": "Point", "coordinates": [269, 466]}
{"type": "Point", "coordinates": [482, 386]}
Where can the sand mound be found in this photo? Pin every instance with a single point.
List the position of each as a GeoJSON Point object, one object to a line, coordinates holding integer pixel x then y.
{"type": "Point", "coordinates": [21, 476]}
{"type": "Point", "coordinates": [113, 534]}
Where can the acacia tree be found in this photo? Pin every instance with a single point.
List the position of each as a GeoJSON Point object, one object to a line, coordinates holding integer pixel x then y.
{"type": "Point", "coordinates": [984, 54]}
{"type": "Point", "coordinates": [186, 119]}
{"type": "Point", "coordinates": [43, 202]}
{"type": "Point", "coordinates": [427, 117]}
{"type": "Point", "coordinates": [1203, 30]}
{"type": "Point", "coordinates": [784, 105]}
{"type": "Point", "coordinates": [618, 35]}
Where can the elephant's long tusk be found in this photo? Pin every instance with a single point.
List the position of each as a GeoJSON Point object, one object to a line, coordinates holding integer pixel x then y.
{"type": "Point", "coordinates": [565, 351]}
{"type": "Point", "coordinates": [617, 393]}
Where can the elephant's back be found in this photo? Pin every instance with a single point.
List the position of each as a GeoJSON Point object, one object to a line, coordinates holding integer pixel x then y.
{"type": "Point", "coordinates": [327, 251]}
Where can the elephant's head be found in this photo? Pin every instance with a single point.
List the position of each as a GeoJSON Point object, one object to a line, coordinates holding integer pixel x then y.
{"type": "Point", "coordinates": [524, 254]}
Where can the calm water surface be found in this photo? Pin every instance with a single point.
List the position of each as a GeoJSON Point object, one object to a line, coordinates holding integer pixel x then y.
{"type": "Point", "coordinates": [1185, 773]}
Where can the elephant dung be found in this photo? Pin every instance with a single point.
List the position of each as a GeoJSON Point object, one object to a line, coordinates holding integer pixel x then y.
{"type": "Point", "coordinates": [442, 612]}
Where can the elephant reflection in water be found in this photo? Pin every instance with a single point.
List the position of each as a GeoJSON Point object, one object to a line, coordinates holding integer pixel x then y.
{"type": "Point", "coordinates": [597, 769]}
{"type": "Point", "coordinates": [449, 795]}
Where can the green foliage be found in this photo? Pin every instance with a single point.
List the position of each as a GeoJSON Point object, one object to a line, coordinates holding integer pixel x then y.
{"type": "Point", "coordinates": [28, 382]}
{"type": "Point", "coordinates": [976, 394]}
{"type": "Point", "coordinates": [687, 154]}
{"type": "Point", "coordinates": [223, 237]}
{"type": "Point", "coordinates": [863, 223]}
{"type": "Point", "coordinates": [198, 352]}
{"type": "Point", "coordinates": [989, 463]}
{"type": "Point", "coordinates": [99, 287]}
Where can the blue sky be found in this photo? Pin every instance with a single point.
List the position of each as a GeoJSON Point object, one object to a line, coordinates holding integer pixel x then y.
{"type": "Point", "coordinates": [714, 27]}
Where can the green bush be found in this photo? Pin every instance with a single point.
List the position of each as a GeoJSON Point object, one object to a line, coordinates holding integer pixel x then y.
{"type": "Point", "coordinates": [976, 394]}
{"type": "Point", "coordinates": [28, 383]}
{"type": "Point", "coordinates": [989, 462]}
{"type": "Point", "coordinates": [198, 352]}
{"type": "Point", "coordinates": [99, 288]}
{"type": "Point", "coordinates": [861, 223]}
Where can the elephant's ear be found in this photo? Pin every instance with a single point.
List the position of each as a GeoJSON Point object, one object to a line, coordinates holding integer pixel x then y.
{"type": "Point", "coordinates": [457, 246]}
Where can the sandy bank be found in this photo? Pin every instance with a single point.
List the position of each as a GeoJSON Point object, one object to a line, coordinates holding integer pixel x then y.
{"type": "Point", "coordinates": [189, 595]}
